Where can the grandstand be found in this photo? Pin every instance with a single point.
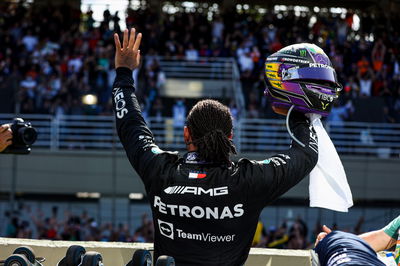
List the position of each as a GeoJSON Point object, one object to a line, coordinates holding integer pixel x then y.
{"type": "Point", "coordinates": [56, 71]}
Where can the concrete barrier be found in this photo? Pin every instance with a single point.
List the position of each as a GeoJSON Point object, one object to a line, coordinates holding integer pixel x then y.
{"type": "Point", "coordinates": [278, 257]}
{"type": "Point", "coordinates": [115, 253]}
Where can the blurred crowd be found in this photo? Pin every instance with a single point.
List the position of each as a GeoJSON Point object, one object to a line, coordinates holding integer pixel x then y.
{"type": "Point", "coordinates": [55, 59]}
{"type": "Point", "coordinates": [34, 224]}
{"type": "Point", "coordinates": [62, 56]}
{"type": "Point", "coordinates": [294, 234]}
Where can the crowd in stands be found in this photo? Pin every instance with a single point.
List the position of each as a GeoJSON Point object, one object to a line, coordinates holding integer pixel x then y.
{"type": "Point", "coordinates": [59, 57]}
{"type": "Point", "coordinates": [294, 234]}
{"type": "Point", "coordinates": [34, 224]}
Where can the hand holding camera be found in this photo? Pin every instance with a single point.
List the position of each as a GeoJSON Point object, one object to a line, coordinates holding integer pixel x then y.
{"type": "Point", "coordinates": [17, 138]}
{"type": "Point", "coordinates": [5, 136]}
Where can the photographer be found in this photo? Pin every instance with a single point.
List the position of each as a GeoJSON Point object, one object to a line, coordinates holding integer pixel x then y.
{"type": "Point", "coordinates": [5, 137]}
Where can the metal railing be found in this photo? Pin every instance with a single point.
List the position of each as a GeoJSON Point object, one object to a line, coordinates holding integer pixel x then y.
{"type": "Point", "coordinates": [203, 67]}
{"type": "Point", "coordinates": [206, 68]}
{"type": "Point", "coordinates": [250, 135]}
{"type": "Point", "coordinates": [356, 138]}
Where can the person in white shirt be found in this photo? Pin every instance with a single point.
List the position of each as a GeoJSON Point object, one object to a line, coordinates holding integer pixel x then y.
{"type": "Point", "coordinates": [218, 29]}
{"type": "Point", "coordinates": [30, 41]}
{"type": "Point", "coordinates": [191, 53]}
{"type": "Point", "coordinates": [75, 64]}
{"type": "Point", "coordinates": [30, 85]}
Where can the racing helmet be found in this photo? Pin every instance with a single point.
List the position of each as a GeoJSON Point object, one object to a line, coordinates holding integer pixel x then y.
{"type": "Point", "coordinates": [301, 75]}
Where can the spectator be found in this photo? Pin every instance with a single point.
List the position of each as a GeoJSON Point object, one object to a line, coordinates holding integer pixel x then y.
{"type": "Point", "coordinates": [30, 41]}
{"type": "Point", "coordinates": [378, 55]}
{"type": "Point", "coordinates": [234, 111]}
{"type": "Point", "coordinates": [75, 64]}
{"type": "Point", "coordinates": [24, 231]}
{"type": "Point", "coordinates": [396, 69]}
{"type": "Point", "coordinates": [363, 66]}
{"type": "Point", "coordinates": [342, 31]}
{"type": "Point", "coordinates": [28, 86]}
{"type": "Point", "coordinates": [218, 29]}
{"type": "Point", "coordinates": [191, 53]}
{"type": "Point", "coordinates": [157, 110]}
{"type": "Point", "coordinates": [246, 63]}
{"type": "Point", "coordinates": [259, 235]}
{"type": "Point", "coordinates": [338, 113]}
{"type": "Point", "coordinates": [253, 111]}
{"type": "Point", "coordinates": [12, 227]}
{"type": "Point", "coordinates": [179, 113]}
{"type": "Point", "coordinates": [366, 83]}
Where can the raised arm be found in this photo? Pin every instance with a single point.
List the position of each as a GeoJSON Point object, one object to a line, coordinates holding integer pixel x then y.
{"type": "Point", "coordinates": [133, 132]}
{"type": "Point", "coordinates": [279, 173]}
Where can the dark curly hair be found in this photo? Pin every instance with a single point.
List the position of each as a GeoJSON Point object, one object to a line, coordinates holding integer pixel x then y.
{"type": "Point", "coordinates": [210, 125]}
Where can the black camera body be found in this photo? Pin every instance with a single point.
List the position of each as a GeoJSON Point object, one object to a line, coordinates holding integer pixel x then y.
{"type": "Point", "coordinates": [24, 135]}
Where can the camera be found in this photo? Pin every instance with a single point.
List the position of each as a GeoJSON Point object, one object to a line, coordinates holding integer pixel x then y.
{"type": "Point", "coordinates": [24, 135]}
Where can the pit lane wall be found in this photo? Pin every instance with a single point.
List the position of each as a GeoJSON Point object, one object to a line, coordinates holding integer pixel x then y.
{"type": "Point", "coordinates": [116, 254]}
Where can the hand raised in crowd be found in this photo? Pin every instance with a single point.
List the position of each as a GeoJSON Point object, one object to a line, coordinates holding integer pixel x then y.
{"type": "Point", "coordinates": [5, 136]}
{"type": "Point", "coordinates": [322, 235]}
{"type": "Point", "coordinates": [127, 55]}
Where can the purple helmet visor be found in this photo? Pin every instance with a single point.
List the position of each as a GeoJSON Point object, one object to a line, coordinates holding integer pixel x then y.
{"type": "Point", "coordinates": [325, 73]}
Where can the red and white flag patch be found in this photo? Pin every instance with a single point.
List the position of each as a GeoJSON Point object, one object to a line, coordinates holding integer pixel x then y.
{"type": "Point", "coordinates": [197, 175]}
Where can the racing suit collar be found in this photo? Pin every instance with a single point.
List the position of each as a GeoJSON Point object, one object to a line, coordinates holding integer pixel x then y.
{"type": "Point", "coordinates": [193, 157]}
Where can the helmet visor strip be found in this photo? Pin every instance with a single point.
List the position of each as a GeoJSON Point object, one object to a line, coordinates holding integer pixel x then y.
{"type": "Point", "coordinates": [324, 74]}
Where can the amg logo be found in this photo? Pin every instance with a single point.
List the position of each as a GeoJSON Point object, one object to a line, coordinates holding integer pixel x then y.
{"type": "Point", "coordinates": [218, 191]}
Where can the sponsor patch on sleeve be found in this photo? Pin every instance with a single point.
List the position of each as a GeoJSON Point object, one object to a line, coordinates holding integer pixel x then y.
{"type": "Point", "coordinates": [156, 150]}
{"type": "Point", "coordinates": [266, 161]}
{"type": "Point", "coordinates": [276, 160]}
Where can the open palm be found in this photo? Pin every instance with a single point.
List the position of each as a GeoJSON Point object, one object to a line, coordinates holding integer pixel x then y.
{"type": "Point", "coordinates": [127, 55]}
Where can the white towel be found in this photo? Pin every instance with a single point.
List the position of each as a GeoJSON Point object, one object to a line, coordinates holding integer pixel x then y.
{"type": "Point", "coordinates": [328, 183]}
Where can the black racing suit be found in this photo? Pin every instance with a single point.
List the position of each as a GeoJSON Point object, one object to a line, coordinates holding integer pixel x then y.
{"type": "Point", "coordinates": [206, 213]}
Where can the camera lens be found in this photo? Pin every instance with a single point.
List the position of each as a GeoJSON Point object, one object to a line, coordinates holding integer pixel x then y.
{"type": "Point", "coordinates": [28, 135]}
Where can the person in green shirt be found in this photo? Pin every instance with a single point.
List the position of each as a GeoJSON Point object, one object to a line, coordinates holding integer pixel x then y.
{"type": "Point", "coordinates": [384, 238]}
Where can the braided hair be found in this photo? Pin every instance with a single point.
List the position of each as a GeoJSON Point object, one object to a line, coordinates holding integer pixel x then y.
{"type": "Point", "coordinates": [210, 125]}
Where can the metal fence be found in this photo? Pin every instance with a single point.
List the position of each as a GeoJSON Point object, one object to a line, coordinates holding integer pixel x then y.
{"type": "Point", "coordinates": [353, 138]}
{"type": "Point", "coordinates": [250, 135]}
{"type": "Point", "coordinates": [206, 68]}
{"type": "Point", "coordinates": [203, 67]}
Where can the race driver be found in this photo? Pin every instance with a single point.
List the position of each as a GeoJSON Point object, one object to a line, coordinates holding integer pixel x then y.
{"type": "Point", "coordinates": [205, 207]}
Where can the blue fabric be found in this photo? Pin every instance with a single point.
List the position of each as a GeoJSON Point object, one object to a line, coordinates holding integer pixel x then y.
{"type": "Point", "coordinates": [340, 248]}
